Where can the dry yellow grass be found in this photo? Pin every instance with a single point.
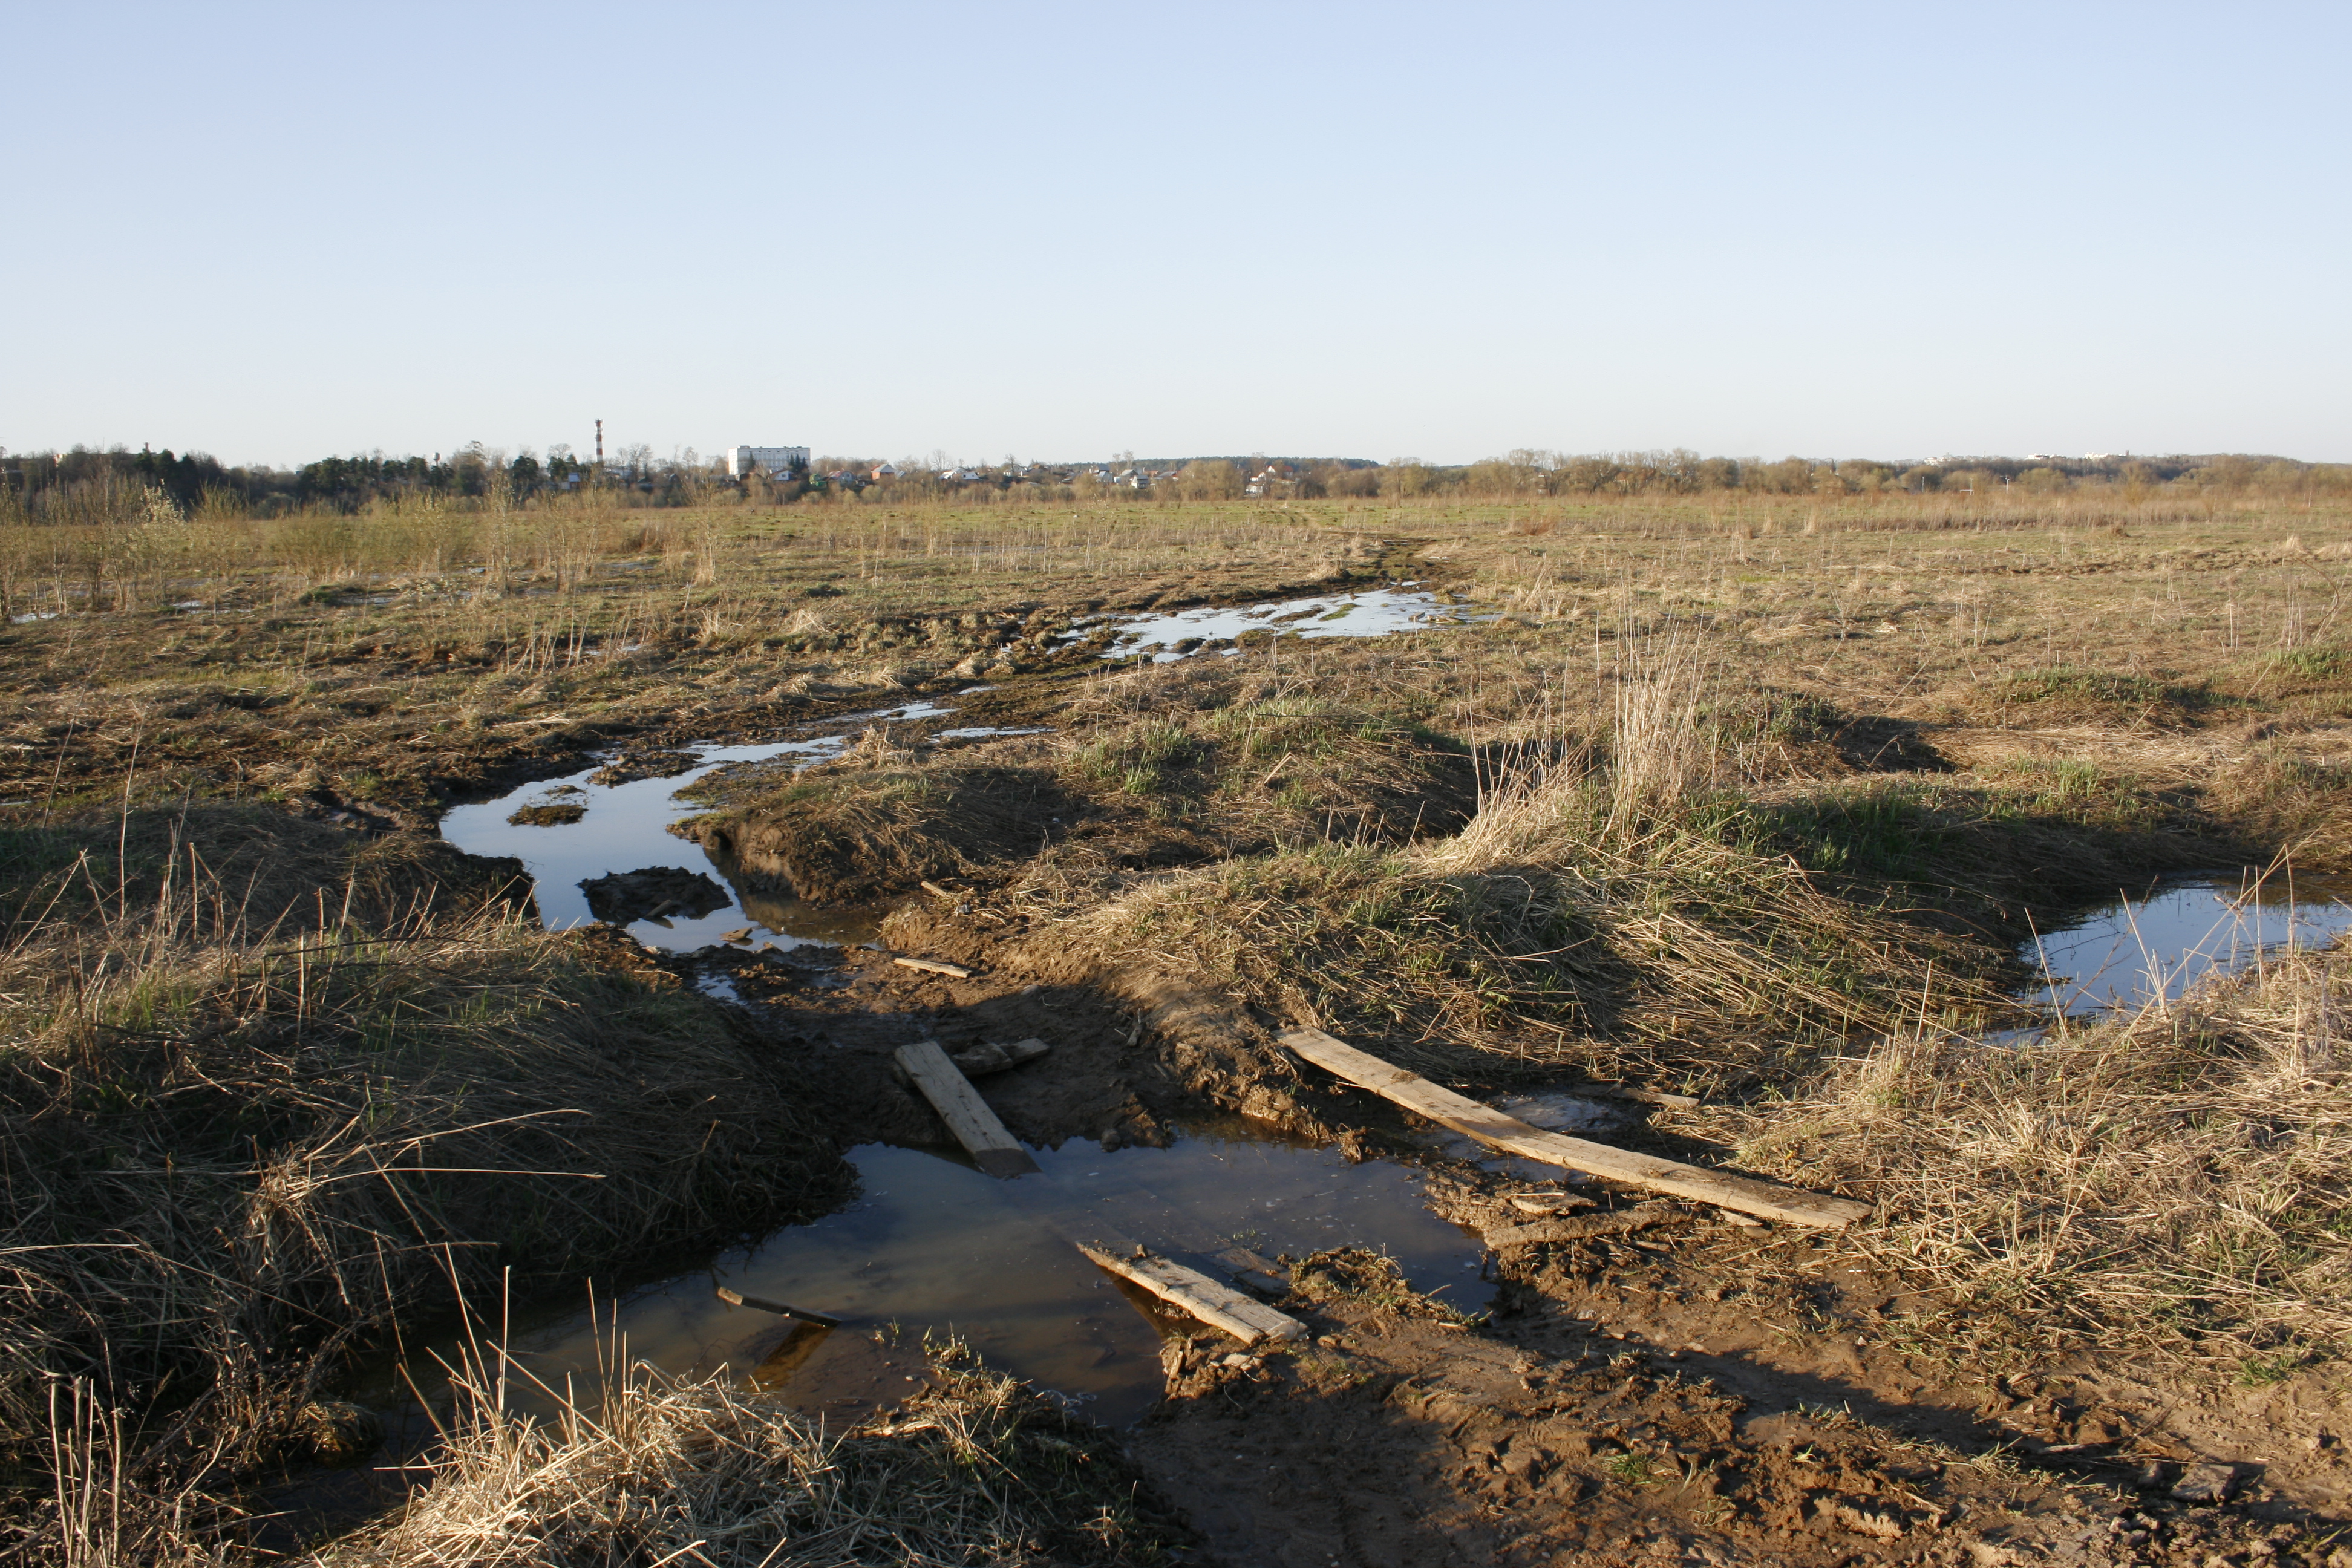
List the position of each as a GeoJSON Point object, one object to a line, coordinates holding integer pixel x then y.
{"type": "Point", "coordinates": [2170, 1181]}
{"type": "Point", "coordinates": [977, 1471]}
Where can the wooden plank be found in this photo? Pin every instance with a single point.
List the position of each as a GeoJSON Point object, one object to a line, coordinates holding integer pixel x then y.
{"type": "Point", "coordinates": [1748, 1194]}
{"type": "Point", "coordinates": [953, 970]}
{"type": "Point", "coordinates": [993, 1149]}
{"type": "Point", "coordinates": [1245, 1318]}
{"type": "Point", "coordinates": [968, 1117]}
{"type": "Point", "coordinates": [737, 1298]}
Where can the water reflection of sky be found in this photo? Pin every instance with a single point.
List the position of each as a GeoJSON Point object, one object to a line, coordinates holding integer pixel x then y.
{"type": "Point", "coordinates": [2129, 953]}
{"type": "Point", "coordinates": [932, 1247]}
{"type": "Point", "coordinates": [625, 828]}
{"type": "Point", "coordinates": [1376, 613]}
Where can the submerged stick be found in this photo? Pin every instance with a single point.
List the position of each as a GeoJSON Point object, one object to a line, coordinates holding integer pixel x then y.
{"type": "Point", "coordinates": [737, 1298]}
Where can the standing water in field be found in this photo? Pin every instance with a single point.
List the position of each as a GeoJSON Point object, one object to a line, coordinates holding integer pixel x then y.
{"type": "Point", "coordinates": [932, 1247]}
{"type": "Point", "coordinates": [1377, 613]}
{"type": "Point", "coordinates": [2135, 950]}
{"type": "Point", "coordinates": [590, 830]}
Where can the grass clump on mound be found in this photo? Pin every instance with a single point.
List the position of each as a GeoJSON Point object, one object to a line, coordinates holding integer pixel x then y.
{"type": "Point", "coordinates": [2067, 694]}
{"type": "Point", "coordinates": [877, 823]}
{"type": "Point", "coordinates": [1283, 768]}
{"type": "Point", "coordinates": [1597, 913]}
{"type": "Point", "coordinates": [1674, 956]}
{"type": "Point", "coordinates": [2165, 1180]}
{"type": "Point", "coordinates": [976, 1471]}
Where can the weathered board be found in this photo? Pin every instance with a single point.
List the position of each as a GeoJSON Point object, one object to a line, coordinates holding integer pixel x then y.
{"type": "Point", "coordinates": [987, 1057]}
{"type": "Point", "coordinates": [968, 1117]}
{"type": "Point", "coordinates": [1748, 1194]}
{"type": "Point", "coordinates": [994, 1150]}
{"type": "Point", "coordinates": [1245, 1318]}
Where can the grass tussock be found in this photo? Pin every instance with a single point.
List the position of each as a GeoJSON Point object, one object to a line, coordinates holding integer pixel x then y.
{"type": "Point", "coordinates": [2069, 695]}
{"type": "Point", "coordinates": [2161, 1182]}
{"type": "Point", "coordinates": [875, 822]}
{"type": "Point", "coordinates": [1600, 912]}
{"type": "Point", "coordinates": [238, 1139]}
{"type": "Point", "coordinates": [977, 1470]}
{"type": "Point", "coordinates": [1257, 767]}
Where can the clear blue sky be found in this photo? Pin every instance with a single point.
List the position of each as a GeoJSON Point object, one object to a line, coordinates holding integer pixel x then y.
{"type": "Point", "coordinates": [277, 232]}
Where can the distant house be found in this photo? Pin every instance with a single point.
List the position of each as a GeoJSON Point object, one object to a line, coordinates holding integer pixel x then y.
{"type": "Point", "coordinates": [776, 462]}
{"type": "Point", "coordinates": [1274, 479]}
{"type": "Point", "coordinates": [886, 471]}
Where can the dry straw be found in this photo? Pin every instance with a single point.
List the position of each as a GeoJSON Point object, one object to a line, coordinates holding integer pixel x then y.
{"type": "Point", "coordinates": [2167, 1181]}
{"type": "Point", "coordinates": [240, 1129]}
{"type": "Point", "coordinates": [975, 1470]}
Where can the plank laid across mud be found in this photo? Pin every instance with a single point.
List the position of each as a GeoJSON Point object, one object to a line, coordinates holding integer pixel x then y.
{"type": "Point", "coordinates": [997, 1154]}
{"type": "Point", "coordinates": [992, 1149]}
{"type": "Point", "coordinates": [1747, 1194]}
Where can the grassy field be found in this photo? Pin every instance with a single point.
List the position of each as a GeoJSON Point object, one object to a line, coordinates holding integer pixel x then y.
{"type": "Point", "coordinates": [1748, 797]}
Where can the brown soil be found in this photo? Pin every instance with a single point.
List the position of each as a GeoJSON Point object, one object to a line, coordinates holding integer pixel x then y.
{"type": "Point", "coordinates": [558, 815]}
{"type": "Point", "coordinates": [1690, 1389]}
{"type": "Point", "coordinates": [651, 893]}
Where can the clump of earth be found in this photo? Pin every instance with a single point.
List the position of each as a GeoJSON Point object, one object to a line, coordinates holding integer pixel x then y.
{"type": "Point", "coordinates": [651, 893]}
{"type": "Point", "coordinates": [628, 767]}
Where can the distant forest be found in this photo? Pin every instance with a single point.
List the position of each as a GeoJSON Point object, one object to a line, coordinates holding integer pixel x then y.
{"type": "Point", "coordinates": [88, 485]}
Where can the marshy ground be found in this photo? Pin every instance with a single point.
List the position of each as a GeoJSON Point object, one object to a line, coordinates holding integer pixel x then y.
{"type": "Point", "coordinates": [1749, 806]}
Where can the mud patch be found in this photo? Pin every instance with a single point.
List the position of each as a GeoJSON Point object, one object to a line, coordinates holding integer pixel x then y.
{"type": "Point", "coordinates": [851, 835]}
{"type": "Point", "coordinates": [628, 767]}
{"type": "Point", "coordinates": [623, 898]}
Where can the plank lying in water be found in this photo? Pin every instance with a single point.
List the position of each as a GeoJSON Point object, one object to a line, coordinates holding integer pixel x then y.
{"type": "Point", "coordinates": [997, 1153]}
{"type": "Point", "coordinates": [992, 1149]}
{"type": "Point", "coordinates": [1747, 1194]}
{"type": "Point", "coordinates": [1245, 1318]}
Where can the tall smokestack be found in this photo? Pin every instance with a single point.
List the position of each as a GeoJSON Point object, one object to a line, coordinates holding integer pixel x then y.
{"type": "Point", "coordinates": [600, 443]}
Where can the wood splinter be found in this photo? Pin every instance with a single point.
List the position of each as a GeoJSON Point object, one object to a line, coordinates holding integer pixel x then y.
{"type": "Point", "coordinates": [953, 970]}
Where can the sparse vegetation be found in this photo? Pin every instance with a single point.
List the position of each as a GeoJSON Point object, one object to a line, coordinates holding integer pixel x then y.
{"type": "Point", "coordinates": [1748, 786]}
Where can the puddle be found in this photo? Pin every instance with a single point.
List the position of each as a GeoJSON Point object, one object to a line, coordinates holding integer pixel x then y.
{"type": "Point", "coordinates": [908, 714]}
{"type": "Point", "coordinates": [982, 731]}
{"type": "Point", "coordinates": [1376, 613]}
{"type": "Point", "coordinates": [932, 1247]}
{"type": "Point", "coordinates": [624, 828]}
{"type": "Point", "coordinates": [2137, 949]}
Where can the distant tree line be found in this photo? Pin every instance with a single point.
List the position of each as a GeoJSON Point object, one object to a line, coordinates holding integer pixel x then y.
{"type": "Point", "coordinates": [87, 486]}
